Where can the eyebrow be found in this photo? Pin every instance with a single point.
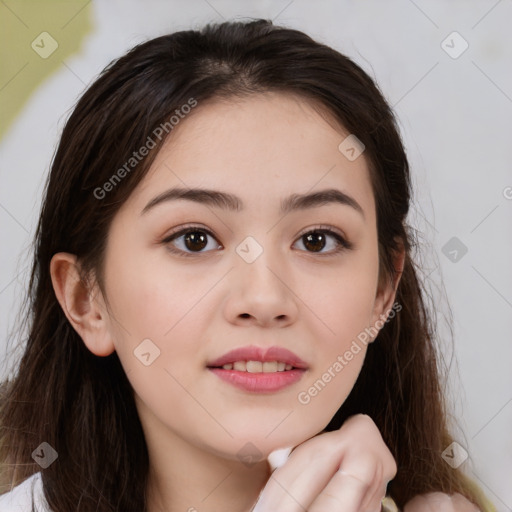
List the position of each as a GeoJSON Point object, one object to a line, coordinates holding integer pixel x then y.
{"type": "Point", "coordinates": [227, 201]}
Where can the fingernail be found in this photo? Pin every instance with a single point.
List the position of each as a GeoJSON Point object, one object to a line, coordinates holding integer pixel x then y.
{"type": "Point", "coordinates": [278, 457]}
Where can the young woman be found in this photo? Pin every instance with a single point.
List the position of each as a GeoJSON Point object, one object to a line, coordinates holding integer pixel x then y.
{"type": "Point", "coordinates": [223, 269]}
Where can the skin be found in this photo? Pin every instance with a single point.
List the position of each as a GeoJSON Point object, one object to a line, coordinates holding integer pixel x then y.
{"type": "Point", "coordinates": [195, 309]}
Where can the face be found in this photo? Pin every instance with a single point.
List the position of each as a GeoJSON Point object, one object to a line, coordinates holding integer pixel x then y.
{"type": "Point", "coordinates": [188, 280]}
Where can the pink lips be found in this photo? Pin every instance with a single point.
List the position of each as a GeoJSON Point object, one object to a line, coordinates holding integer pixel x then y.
{"type": "Point", "coordinates": [259, 382]}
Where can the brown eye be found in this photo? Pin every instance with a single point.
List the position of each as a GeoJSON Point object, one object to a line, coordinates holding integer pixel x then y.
{"type": "Point", "coordinates": [190, 241]}
{"type": "Point", "coordinates": [195, 240]}
{"type": "Point", "coordinates": [316, 240]}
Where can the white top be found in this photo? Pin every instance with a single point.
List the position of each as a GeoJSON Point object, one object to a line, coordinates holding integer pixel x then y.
{"type": "Point", "coordinates": [25, 495]}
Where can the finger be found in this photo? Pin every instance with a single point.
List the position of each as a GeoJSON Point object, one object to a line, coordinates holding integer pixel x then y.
{"type": "Point", "coordinates": [364, 425]}
{"type": "Point", "coordinates": [374, 501]}
{"type": "Point", "coordinates": [385, 472]}
{"type": "Point", "coordinates": [293, 486]}
{"type": "Point", "coordinates": [311, 466]}
{"type": "Point", "coordinates": [359, 485]}
{"type": "Point", "coordinates": [373, 474]}
{"type": "Point", "coordinates": [344, 492]}
{"type": "Point", "coordinates": [337, 490]}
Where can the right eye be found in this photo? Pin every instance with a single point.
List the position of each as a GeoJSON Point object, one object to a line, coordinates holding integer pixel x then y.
{"type": "Point", "coordinates": [190, 238]}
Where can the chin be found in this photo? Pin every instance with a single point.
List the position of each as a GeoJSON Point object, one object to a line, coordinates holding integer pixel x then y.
{"type": "Point", "coordinates": [258, 442]}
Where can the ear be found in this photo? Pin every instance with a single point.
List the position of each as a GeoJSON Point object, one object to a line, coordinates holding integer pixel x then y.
{"type": "Point", "coordinates": [386, 291]}
{"type": "Point", "coordinates": [83, 306]}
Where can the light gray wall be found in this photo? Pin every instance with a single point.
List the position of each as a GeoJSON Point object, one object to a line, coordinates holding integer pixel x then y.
{"type": "Point", "coordinates": [455, 118]}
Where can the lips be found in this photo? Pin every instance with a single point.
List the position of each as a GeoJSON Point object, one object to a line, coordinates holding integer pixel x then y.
{"type": "Point", "coordinates": [256, 370]}
{"type": "Point", "coordinates": [254, 353]}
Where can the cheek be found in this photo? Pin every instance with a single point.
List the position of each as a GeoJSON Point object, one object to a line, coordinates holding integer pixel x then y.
{"type": "Point", "coordinates": [152, 324]}
{"type": "Point", "coordinates": [345, 309]}
{"type": "Point", "coordinates": [344, 301]}
{"type": "Point", "coordinates": [149, 299]}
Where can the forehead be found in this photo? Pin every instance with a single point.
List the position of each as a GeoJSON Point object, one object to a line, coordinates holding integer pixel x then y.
{"type": "Point", "coordinates": [258, 147]}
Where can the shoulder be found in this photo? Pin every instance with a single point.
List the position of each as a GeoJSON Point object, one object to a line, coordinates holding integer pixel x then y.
{"type": "Point", "coordinates": [440, 502]}
{"type": "Point", "coordinates": [24, 496]}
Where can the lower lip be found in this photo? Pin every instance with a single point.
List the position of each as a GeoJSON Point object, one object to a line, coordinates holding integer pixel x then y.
{"type": "Point", "coordinates": [259, 382]}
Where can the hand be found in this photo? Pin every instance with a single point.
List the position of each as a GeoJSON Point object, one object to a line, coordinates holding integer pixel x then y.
{"type": "Point", "coordinates": [440, 502]}
{"type": "Point", "coordinates": [346, 470]}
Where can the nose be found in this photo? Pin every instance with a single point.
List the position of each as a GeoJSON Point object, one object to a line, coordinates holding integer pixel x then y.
{"type": "Point", "coordinates": [262, 291]}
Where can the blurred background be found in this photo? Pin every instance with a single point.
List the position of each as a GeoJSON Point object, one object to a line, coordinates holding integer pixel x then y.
{"type": "Point", "coordinates": [445, 67]}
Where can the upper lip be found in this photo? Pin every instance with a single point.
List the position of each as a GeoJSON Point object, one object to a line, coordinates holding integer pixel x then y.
{"type": "Point", "coordinates": [255, 353]}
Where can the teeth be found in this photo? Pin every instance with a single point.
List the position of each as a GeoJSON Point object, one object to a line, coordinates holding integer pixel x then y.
{"type": "Point", "coordinates": [257, 366]}
{"type": "Point", "coordinates": [269, 366]}
{"type": "Point", "coordinates": [254, 366]}
{"type": "Point", "coordinates": [240, 366]}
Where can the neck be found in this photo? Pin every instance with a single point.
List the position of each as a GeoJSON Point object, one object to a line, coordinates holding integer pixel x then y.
{"type": "Point", "coordinates": [183, 477]}
{"type": "Point", "coordinates": [191, 480]}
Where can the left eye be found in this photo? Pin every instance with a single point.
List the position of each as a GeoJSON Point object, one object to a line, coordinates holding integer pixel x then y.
{"type": "Point", "coordinates": [195, 240]}
{"type": "Point", "coordinates": [317, 240]}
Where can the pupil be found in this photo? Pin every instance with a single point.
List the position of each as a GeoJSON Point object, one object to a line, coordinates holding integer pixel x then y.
{"type": "Point", "coordinates": [195, 237]}
{"type": "Point", "coordinates": [319, 244]}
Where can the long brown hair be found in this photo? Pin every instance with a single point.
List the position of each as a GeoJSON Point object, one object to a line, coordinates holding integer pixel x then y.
{"type": "Point", "coordinates": [82, 404]}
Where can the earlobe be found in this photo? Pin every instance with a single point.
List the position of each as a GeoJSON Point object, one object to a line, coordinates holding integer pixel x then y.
{"type": "Point", "coordinates": [82, 305]}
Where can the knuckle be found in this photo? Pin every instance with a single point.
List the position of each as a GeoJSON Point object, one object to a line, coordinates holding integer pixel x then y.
{"type": "Point", "coordinates": [364, 470]}
{"type": "Point", "coordinates": [390, 466]}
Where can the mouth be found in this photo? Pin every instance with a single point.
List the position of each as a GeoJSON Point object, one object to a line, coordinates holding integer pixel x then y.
{"type": "Point", "coordinates": [257, 366]}
{"type": "Point", "coordinates": [257, 370]}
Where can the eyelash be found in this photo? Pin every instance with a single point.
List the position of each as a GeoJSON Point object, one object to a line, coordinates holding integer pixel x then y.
{"type": "Point", "coordinates": [342, 244]}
